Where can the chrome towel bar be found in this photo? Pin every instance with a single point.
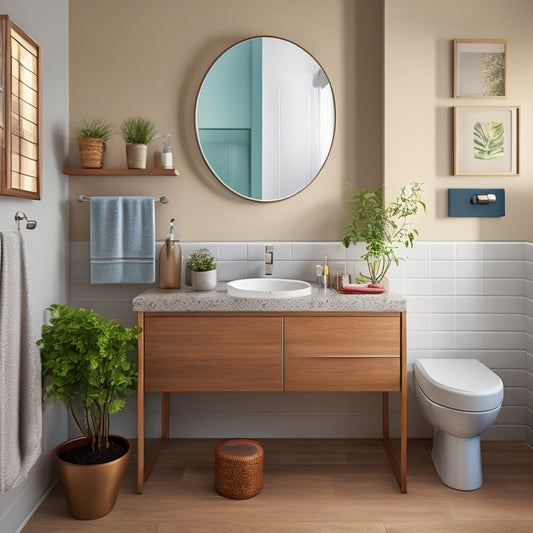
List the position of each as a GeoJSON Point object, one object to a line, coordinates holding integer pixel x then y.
{"type": "Point", "coordinates": [83, 198]}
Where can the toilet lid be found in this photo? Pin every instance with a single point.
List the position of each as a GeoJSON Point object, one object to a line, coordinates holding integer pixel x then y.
{"type": "Point", "coordinates": [465, 384]}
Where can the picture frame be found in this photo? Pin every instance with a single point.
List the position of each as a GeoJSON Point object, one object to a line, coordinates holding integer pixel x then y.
{"type": "Point", "coordinates": [487, 141]}
{"type": "Point", "coordinates": [480, 68]}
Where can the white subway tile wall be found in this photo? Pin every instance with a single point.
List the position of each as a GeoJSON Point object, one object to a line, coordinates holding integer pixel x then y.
{"type": "Point", "coordinates": [464, 299]}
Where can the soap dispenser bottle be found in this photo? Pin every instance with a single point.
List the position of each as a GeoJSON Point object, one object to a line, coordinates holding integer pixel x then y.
{"type": "Point", "coordinates": [170, 262]}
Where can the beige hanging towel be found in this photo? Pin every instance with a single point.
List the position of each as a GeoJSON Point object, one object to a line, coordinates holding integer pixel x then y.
{"type": "Point", "coordinates": [20, 368]}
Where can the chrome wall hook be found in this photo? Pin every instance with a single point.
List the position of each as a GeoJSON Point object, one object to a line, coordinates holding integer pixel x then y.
{"type": "Point", "coordinates": [30, 224]}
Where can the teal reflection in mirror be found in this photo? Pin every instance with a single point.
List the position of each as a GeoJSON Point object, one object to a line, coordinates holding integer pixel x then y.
{"type": "Point", "coordinates": [265, 118]}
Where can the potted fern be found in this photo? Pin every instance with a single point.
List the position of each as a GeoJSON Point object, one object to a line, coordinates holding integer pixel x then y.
{"type": "Point", "coordinates": [202, 267]}
{"type": "Point", "coordinates": [92, 133]}
{"type": "Point", "coordinates": [383, 229]}
{"type": "Point", "coordinates": [137, 132]}
{"type": "Point", "coordinates": [84, 364]}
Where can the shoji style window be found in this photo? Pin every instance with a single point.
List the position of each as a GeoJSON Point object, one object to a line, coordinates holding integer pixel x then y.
{"type": "Point", "coordinates": [20, 113]}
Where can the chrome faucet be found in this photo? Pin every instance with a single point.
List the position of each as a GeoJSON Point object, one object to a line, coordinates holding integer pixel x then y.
{"type": "Point", "coordinates": [269, 260]}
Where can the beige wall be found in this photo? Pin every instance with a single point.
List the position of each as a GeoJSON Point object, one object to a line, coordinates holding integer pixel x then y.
{"type": "Point", "coordinates": [418, 107]}
{"type": "Point", "coordinates": [136, 57]}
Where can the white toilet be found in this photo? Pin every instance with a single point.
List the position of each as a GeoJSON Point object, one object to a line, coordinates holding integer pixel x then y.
{"type": "Point", "coordinates": [460, 398]}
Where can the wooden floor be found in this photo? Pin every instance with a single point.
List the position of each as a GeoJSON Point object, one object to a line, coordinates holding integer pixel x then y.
{"type": "Point", "coordinates": [313, 486]}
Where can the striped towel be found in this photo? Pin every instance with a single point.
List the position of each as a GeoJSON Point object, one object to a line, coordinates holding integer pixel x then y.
{"type": "Point", "coordinates": [122, 239]}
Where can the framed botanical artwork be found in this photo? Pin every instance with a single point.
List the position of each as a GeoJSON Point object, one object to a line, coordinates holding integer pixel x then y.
{"type": "Point", "coordinates": [480, 68]}
{"type": "Point", "coordinates": [487, 141]}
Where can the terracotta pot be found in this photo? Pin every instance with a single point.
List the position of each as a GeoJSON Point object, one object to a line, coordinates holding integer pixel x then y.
{"type": "Point", "coordinates": [90, 490]}
{"type": "Point", "coordinates": [136, 155]}
{"type": "Point", "coordinates": [204, 281]}
{"type": "Point", "coordinates": [91, 152]}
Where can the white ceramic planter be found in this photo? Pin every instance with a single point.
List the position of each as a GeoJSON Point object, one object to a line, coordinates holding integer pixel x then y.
{"type": "Point", "coordinates": [136, 155]}
{"type": "Point", "coordinates": [204, 281]}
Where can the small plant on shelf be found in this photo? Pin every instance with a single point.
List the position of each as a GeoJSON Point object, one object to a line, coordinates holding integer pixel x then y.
{"type": "Point", "coordinates": [137, 133]}
{"type": "Point", "coordinates": [137, 130]}
{"type": "Point", "coordinates": [93, 127]}
{"type": "Point", "coordinates": [382, 228]}
{"type": "Point", "coordinates": [201, 260]}
{"type": "Point", "coordinates": [92, 133]}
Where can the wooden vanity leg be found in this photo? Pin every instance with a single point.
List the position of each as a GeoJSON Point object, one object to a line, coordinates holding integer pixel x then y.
{"type": "Point", "coordinates": [386, 415]}
{"type": "Point", "coordinates": [142, 474]}
{"type": "Point", "coordinates": [164, 435]}
{"type": "Point", "coordinates": [403, 443]}
{"type": "Point", "coordinates": [140, 406]}
{"type": "Point", "coordinates": [165, 415]}
{"type": "Point", "coordinates": [397, 467]}
{"type": "Point", "coordinates": [403, 427]}
{"type": "Point", "coordinates": [400, 469]}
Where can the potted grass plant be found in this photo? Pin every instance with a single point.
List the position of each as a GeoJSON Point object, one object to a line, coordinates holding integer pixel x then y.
{"type": "Point", "coordinates": [92, 133]}
{"type": "Point", "coordinates": [383, 229]}
{"type": "Point", "coordinates": [137, 132]}
{"type": "Point", "coordinates": [202, 267]}
{"type": "Point", "coordinates": [85, 365]}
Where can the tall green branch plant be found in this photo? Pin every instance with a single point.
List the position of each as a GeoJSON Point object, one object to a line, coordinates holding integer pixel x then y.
{"type": "Point", "coordinates": [382, 228]}
{"type": "Point", "coordinates": [84, 364]}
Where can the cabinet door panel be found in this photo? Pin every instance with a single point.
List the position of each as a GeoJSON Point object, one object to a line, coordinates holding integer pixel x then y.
{"type": "Point", "coordinates": [213, 353]}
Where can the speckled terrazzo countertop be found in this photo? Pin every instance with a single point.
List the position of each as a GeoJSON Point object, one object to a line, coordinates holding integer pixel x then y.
{"type": "Point", "coordinates": [188, 301]}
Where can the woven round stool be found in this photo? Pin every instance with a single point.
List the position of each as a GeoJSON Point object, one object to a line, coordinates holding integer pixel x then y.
{"type": "Point", "coordinates": [239, 468]}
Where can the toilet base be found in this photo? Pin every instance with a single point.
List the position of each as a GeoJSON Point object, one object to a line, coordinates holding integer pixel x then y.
{"type": "Point", "coordinates": [457, 460]}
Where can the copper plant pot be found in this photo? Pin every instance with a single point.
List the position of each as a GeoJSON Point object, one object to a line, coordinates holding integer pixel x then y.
{"type": "Point", "coordinates": [91, 490]}
{"type": "Point", "coordinates": [91, 152]}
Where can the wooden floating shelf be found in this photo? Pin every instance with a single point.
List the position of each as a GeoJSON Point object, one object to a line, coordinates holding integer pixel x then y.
{"type": "Point", "coordinates": [120, 172]}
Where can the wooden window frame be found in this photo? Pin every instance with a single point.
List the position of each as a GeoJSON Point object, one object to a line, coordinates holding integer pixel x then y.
{"type": "Point", "coordinates": [11, 120]}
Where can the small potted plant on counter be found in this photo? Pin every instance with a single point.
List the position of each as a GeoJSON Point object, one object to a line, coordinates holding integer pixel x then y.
{"type": "Point", "coordinates": [137, 132]}
{"type": "Point", "coordinates": [84, 364]}
{"type": "Point", "coordinates": [202, 266]}
{"type": "Point", "coordinates": [382, 228]}
{"type": "Point", "coordinates": [92, 134]}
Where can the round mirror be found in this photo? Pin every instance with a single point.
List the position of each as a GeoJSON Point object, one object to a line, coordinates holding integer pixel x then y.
{"type": "Point", "coordinates": [265, 118]}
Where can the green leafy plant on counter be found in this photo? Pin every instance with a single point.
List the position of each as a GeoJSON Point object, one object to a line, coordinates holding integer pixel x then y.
{"type": "Point", "coordinates": [382, 228]}
{"type": "Point", "coordinates": [201, 260]}
{"type": "Point", "coordinates": [84, 364]}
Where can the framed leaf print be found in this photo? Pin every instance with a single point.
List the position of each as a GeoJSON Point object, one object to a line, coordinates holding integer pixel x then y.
{"type": "Point", "coordinates": [480, 68]}
{"type": "Point", "coordinates": [486, 141]}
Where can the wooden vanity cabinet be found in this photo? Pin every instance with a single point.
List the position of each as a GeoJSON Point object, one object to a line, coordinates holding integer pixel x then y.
{"type": "Point", "coordinates": [272, 351]}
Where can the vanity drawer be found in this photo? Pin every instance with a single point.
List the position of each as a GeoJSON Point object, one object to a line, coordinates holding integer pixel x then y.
{"type": "Point", "coordinates": [213, 353]}
{"type": "Point", "coordinates": [330, 373]}
{"type": "Point", "coordinates": [342, 353]}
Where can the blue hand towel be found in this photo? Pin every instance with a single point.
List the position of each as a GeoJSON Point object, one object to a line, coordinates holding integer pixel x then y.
{"type": "Point", "coordinates": [122, 239]}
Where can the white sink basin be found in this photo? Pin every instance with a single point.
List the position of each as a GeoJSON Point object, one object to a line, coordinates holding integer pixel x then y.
{"type": "Point", "coordinates": [268, 288]}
